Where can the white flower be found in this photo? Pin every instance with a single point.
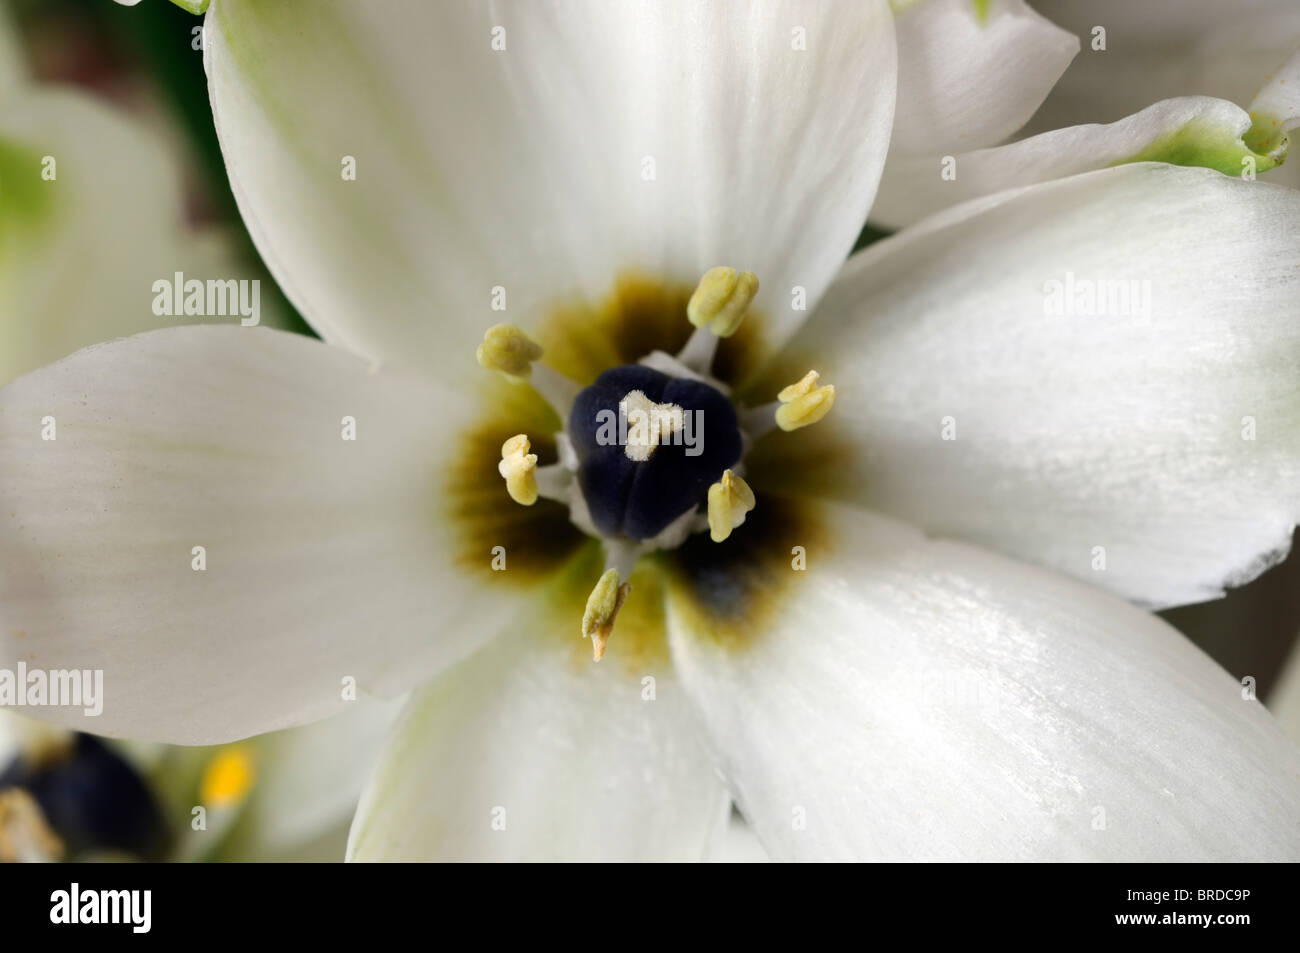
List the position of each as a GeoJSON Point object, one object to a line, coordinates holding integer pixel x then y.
{"type": "Point", "coordinates": [971, 72]}
{"type": "Point", "coordinates": [859, 689]}
{"type": "Point", "coordinates": [1137, 53]}
{"type": "Point", "coordinates": [92, 212]}
{"type": "Point", "coordinates": [1183, 130]}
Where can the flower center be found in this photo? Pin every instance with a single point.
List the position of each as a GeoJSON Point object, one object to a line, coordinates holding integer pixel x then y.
{"type": "Point", "coordinates": [649, 446]}
{"type": "Point", "coordinates": [652, 452]}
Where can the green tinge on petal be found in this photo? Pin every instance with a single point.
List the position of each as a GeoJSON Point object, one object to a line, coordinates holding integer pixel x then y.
{"type": "Point", "coordinates": [24, 195]}
{"type": "Point", "coordinates": [1202, 143]}
{"type": "Point", "coordinates": [26, 199]}
{"type": "Point", "coordinates": [196, 7]}
{"type": "Point", "coordinates": [1268, 136]}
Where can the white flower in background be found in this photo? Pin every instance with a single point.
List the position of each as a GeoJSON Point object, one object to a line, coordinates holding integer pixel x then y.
{"type": "Point", "coordinates": [971, 72]}
{"type": "Point", "coordinates": [1184, 130]}
{"type": "Point", "coordinates": [1191, 131]}
{"type": "Point", "coordinates": [859, 689]}
{"type": "Point", "coordinates": [306, 784]}
{"type": "Point", "coordinates": [92, 212]}
{"type": "Point", "coordinates": [1164, 49]}
{"type": "Point", "coordinates": [280, 796]}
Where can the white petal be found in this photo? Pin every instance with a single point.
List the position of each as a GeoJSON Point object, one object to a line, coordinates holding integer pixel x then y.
{"type": "Point", "coordinates": [325, 558]}
{"type": "Point", "coordinates": [920, 700]}
{"type": "Point", "coordinates": [1280, 96]}
{"type": "Point", "coordinates": [93, 216]}
{"type": "Point", "coordinates": [1153, 448]}
{"type": "Point", "coordinates": [1188, 131]}
{"type": "Point", "coordinates": [530, 751]}
{"type": "Point", "coordinates": [664, 137]}
{"type": "Point", "coordinates": [967, 80]}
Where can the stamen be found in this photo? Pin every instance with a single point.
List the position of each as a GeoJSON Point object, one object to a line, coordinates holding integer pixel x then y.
{"type": "Point", "coordinates": [227, 778]}
{"type": "Point", "coordinates": [720, 300]}
{"type": "Point", "coordinates": [518, 466]}
{"type": "Point", "coordinates": [804, 403]}
{"type": "Point", "coordinates": [729, 501]}
{"type": "Point", "coordinates": [716, 309]}
{"type": "Point", "coordinates": [799, 405]}
{"type": "Point", "coordinates": [511, 352]}
{"type": "Point", "coordinates": [602, 610]}
{"type": "Point", "coordinates": [556, 389]}
{"type": "Point", "coordinates": [698, 352]}
{"type": "Point", "coordinates": [25, 835]}
{"type": "Point", "coordinates": [800, 387]}
{"type": "Point", "coordinates": [554, 482]}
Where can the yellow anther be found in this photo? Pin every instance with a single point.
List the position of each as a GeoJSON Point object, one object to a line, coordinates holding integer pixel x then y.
{"type": "Point", "coordinates": [729, 500]}
{"type": "Point", "coordinates": [508, 349]}
{"type": "Point", "coordinates": [602, 609]}
{"type": "Point", "coordinates": [227, 778]}
{"type": "Point", "coordinates": [800, 387]}
{"type": "Point", "coordinates": [720, 300]}
{"type": "Point", "coordinates": [25, 835]}
{"type": "Point", "coordinates": [804, 402]}
{"type": "Point", "coordinates": [518, 466]}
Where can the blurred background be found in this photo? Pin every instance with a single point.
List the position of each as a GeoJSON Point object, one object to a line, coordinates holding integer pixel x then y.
{"type": "Point", "coordinates": [126, 86]}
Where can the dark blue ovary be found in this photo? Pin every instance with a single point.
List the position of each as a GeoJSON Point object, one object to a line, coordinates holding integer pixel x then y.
{"type": "Point", "coordinates": [639, 499]}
